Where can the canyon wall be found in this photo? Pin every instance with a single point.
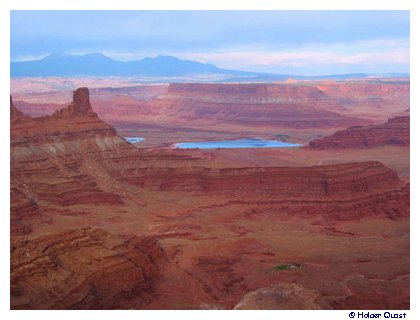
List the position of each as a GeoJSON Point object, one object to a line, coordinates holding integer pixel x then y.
{"type": "Point", "coordinates": [337, 192]}
{"type": "Point", "coordinates": [72, 163]}
{"type": "Point", "coordinates": [395, 131]}
{"type": "Point", "coordinates": [374, 99]}
{"type": "Point", "coordinates": [287, 106]}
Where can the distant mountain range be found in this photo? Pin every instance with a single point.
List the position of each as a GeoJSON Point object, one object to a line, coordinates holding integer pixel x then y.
{"type": "Point", "coordinates": [97, 64]}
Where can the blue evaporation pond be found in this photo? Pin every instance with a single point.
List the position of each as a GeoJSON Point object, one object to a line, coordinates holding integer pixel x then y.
{"type": "Point", "coordinates": [133, 139]}
{"type": "Point", "coordinates": [234, 144]}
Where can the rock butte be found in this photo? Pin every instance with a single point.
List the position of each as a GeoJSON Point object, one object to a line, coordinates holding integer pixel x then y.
{"type": "Point", "coordinates": [72, 165]}
{"type": "Point", "coordinates": [395, 131]}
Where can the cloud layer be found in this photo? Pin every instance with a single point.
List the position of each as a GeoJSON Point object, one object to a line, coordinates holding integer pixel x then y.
{"type": "Point", "coordinates": [277, 41]}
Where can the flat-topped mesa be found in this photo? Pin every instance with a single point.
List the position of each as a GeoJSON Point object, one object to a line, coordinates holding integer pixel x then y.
{"type": "Point", "coordinates": [256, 89]}
{"type": "Point", "coordinates": [365, 89]}
{"type": "Point", "coordinates": [396, 131]}
{"type": "Point", "coordinates": [275, 105]}
{"type": "Point", "coordinates": [375, 99]}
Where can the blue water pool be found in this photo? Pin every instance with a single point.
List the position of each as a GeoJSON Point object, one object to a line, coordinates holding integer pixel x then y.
{"type": "Point", "coordinates": [234, 144]}
{"type": "Point", "coordinates": [133, 139]}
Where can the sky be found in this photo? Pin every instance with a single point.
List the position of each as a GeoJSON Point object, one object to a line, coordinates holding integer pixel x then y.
{"type": "Point", "coordinates": [288, 42]}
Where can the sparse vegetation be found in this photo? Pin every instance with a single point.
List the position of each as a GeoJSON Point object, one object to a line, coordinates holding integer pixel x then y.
{"type": "Point", "coordinates": [281, 267]}
{"type": "Point", "coordinates": [287, 266]}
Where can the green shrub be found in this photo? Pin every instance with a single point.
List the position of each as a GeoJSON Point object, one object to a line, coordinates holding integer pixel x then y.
{"type": "Point", "coordinates": [281, 267]}
{"type": "Point", "coordinates": [287, 266]}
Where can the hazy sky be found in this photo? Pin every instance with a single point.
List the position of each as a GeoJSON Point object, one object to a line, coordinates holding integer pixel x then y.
{"type": "Point", "coordinates": [296, 42]}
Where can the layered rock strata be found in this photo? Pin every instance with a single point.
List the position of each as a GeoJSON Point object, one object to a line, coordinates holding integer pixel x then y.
{"type": "Point", "coordinates": [288, 106]}
{"type": "Point", "coordinates": [336, 192]}
{"type": "Point", "coordinates": [82, 269]}
{"type": "Point", "coordinates": [395, 131]}
{"type": "Point", "coordinates": [47, 156]}
{"type": "Point", "coordinates": [73, 161]}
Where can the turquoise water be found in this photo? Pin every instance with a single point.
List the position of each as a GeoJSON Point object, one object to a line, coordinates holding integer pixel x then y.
{"type": "Point", "coordinates": [234, 144]}
{"type": "Point", "coordinates": [133, 139]}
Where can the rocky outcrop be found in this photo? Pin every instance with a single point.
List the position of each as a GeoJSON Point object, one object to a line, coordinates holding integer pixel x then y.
{"type": "Point", "coordinates": [82, 269]}
{"type": "Point", "coordinates": [76, 121]}
{"type": "Point", "coordinates": [80, 105]}
{"type": "Point", "coordinates": [280, 297]}
{"type": "Point", "coordinates": [337, 192]}
{"type": "Point", "coordinates": [47, 157]}
{"type": "Point", "coordinates": [395, 131]}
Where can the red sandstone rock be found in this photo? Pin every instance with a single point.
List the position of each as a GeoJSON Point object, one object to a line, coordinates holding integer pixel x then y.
{"type": "Point", "coordinates": [337, 192]}
{"type": "Point", "coordinates": [280, 297]}
{"type": "Point", "coordinates": [47, 155]}
{"type": "Point", "coordinates": [16, 115]}
{"type": "Point", "coordinates": [82, 269]}
{"type": "Point", "coordinates": [69, 158]}
{"type": "Point", "coordinates": [365, 89]}
{"type": "Point", "coordinates": [77, 118]}
{"type": "Point", "coordinates": [374, 99]}
{"type": "Point", "coordinates": [72, 159]}
{"type": "Point", "coordinates": [325, 104]}
{"type": "Point", "coordinates": [287, 106]}
{"type": "Point", "coordinates": [396, 132]}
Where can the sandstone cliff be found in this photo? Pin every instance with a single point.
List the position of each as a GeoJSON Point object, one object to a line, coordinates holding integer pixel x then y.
{"type": "Point", "coordinates": [337, 192]}
{"type": "Point", "coordinates": [47, 154]}
{"type": "Point", "coordinates": [73, 158]}
{"type": "Point", "coordinates": [71, 170]}
{"type": "Point", "coordinates": [378, 100]}
{"type": "Point", "coordinates": [287, 106]}
{"type": "Point", "coordinates": [395, 131]}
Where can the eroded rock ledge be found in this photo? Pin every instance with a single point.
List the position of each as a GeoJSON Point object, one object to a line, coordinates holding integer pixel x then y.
{"type": "Point", "coordinates": [82, 269]}
{"type": "Point", "coordinates": [396, 131]}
